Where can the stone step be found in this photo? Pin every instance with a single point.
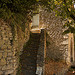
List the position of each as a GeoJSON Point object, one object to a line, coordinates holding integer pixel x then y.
{"type": "Point", "coordinates": [29, 55]}
{"type": "Point", "coordinates": [35, 30]}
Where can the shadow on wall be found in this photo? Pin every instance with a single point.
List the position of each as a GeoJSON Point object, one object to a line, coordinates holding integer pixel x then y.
{"type": "Point", "coordinates": [53, 51]}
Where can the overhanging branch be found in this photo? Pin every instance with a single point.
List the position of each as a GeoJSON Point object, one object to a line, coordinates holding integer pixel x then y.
{"type": "Point", "coordinates": [71, 15]}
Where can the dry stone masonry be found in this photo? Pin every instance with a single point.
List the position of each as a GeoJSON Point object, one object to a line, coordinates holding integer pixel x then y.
{"type": "Point", "coordinates": [10, 47]}
{"type": "Point", "coordinates": [6, 52]}
{"type": "Point", "coordinates": [58, 47]}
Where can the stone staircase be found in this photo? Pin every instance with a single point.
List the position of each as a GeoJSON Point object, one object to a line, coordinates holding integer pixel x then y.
{"type": "Point", "coordinates": [29, 56]}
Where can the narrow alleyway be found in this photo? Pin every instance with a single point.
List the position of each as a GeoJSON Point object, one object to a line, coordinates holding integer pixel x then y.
{"type": "Point", "coordinates": [29, 56]}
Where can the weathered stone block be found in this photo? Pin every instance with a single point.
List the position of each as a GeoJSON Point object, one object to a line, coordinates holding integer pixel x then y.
{"type": "Point", "coordinates": [1, 42]}
{"type": "Point", "coordinates": [14, 53]}
{"type": "Point", "coordinates": [10, 34]}
{"type": "Point", "coordinates": [9, 47]}
{"type": "Point", "coordinates": [9, 66]}
{"type": "Point", "coordinates": [15, 38]}
{"type": "Point", "coordinates": [4, 46]}
{"type": "Point", "coordinates": [8, 50]}
{"type": "Point", "coordinates": [2, 61]}
{"type": "Point", "coordinates": [10, 54]}
{"type": "Point", "coordinates": [15, 64]}
{"type": "Point", "coordinates": [65, 42]}
{"type": "Point", "coordinates": [0, 55]}
{"type": "Point", "coordinates": [4, 67]}
{"type": "Point", "coordinates": [5, 54]}
{"type": "Point", "coordinates": [9, 72]}
{"type": "Point", "coordinates": [5, 38]}
{"type": "Point", "coordinates": [9, 58]}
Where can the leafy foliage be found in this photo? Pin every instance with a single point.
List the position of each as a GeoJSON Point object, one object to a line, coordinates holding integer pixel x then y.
{"type": "Point", "coordinates": [64, 9]}
{"type": "Point", "coordinates": [21, 9]}
{"type": "Point", "coordinates": [16, 12]}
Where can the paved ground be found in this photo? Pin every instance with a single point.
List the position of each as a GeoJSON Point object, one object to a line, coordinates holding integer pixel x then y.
{"type": "Point", "coordinates": [29, 56]}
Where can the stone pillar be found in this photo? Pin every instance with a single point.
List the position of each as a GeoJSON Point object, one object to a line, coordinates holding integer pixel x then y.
{"type": "Point", "coordinates": [71, 48]}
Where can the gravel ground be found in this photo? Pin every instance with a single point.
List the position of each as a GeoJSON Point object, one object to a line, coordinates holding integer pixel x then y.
{"type": "Point", "coordinates": [56, 68]}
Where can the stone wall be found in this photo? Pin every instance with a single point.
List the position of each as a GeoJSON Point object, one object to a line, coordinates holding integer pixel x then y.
{"type": "Point", "coordinates": [58, 45]}
{"type": "Point", "coordinates": [57, 42]}
{"type": "Point", "coordinates": [10, 47]}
